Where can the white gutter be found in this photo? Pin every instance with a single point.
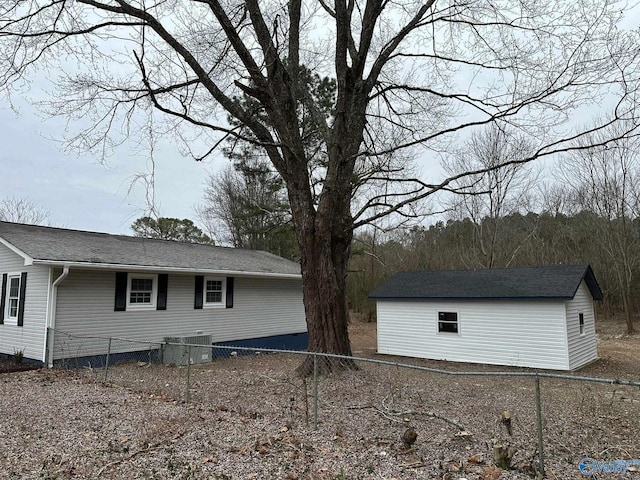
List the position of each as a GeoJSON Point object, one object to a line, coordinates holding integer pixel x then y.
{"type": "Point", "coordinates": [139, 268]}
{"type": "Point", "coordinates": [51, 317]}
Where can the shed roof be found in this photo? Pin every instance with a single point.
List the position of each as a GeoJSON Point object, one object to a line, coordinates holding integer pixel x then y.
{"type": "Point", "coordinates": [60, 246]}
{"type": "Point", "coordinates": [557, 282]}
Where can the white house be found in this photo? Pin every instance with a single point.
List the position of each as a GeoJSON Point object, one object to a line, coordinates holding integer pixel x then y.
{"type": "Point", "coordinates": [539, 317]}
{"type": "Point", "coordinates": [60, 282]}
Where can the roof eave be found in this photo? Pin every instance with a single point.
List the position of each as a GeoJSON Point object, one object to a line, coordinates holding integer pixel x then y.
{"type": "Point", "coordinates": [592, 284]}
{"type": "Point", "coordinates": [27, 258]}
{"type": "Point", "coordinates": [205, 271]}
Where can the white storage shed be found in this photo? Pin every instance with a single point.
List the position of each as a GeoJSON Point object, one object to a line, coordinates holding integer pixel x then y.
{"type": "Point", "coordinates": [538, 317]}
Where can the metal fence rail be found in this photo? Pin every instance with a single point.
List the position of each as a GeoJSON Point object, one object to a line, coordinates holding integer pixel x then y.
{"type": "Point", "coordinates": [139, 365]}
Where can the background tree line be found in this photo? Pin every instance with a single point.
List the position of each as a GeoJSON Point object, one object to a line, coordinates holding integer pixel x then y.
{"type": "Point", "coordinates": [533, 238]}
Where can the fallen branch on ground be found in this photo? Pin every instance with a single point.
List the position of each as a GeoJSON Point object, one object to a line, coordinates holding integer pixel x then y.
{"type": "Point", "coordinates": [134, 454]}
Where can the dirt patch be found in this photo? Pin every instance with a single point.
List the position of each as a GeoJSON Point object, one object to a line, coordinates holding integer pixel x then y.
{"type": "Point", "coordinates": [619, 353]}
{"type": "Point", "coordinates": [363, 337]}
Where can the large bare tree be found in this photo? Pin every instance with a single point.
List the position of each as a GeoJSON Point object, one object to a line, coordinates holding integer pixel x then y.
{"type": "Point", "coordinates": [409, 75]}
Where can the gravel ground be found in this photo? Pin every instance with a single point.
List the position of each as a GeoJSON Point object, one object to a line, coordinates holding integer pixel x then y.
{"type": "Point", "coordinates": [252, 418]}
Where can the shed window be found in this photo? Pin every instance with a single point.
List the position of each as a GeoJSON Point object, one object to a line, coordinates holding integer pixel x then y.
{"type": "Point", "coordinates": [447, 322]}
{"type": "Point", "coordinates": [214, 292]}
{"type": "Point", "coordinates": [142, 291]}
{"type": "Point", "coordinates": [581, 320]}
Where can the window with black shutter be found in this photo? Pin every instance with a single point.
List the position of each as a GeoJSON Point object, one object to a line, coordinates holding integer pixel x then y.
{"type": "Point", "coordinates": [14, 288]}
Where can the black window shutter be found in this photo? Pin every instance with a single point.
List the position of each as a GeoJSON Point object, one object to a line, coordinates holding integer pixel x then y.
{"type": "Point", "coordinates": [121, 292]}
{"type": "Point", "coordinates": [197, 302]}
{"type": "Point", "coordinates": [23, 291]}
{"type": "Point", "coordinates": [4, 297]}
{"type": "Point", "coordinates": [229, 301]}
{"type": "Point", "coordinates": [163, 283]}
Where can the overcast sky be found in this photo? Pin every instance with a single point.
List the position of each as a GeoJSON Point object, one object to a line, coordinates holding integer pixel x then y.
{"type": "Point", "coordinates": [79, 192]}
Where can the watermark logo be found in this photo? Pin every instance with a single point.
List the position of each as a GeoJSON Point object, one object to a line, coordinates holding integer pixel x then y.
{"type": "Point", "coordinates": [589, 466]}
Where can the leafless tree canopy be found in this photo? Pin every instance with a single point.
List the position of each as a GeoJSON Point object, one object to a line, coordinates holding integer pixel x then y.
{"type": "Point", "coordinates": [409, 75]}
{"type": "Point", "coordinates": [247, 208]}
{"type": "Point", "coordinates": [605, 181]}
{"type": "Point", "coordinates": [486, 198]}
{"type": "Point", "coordinates": [21, 210]}
{"type": "Point", "coordinates": [420, 71]}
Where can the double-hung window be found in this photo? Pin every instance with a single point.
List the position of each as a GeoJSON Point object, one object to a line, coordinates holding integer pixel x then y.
{"type": "Point", "coordinates": [13, 299]}
{"type": "Point", "coordinates": [14, 296]}
{"type": "Point", "coordinates": [581, 322]}
{"type": "Point", "coordinates": [214, 292]}
{"type": "Point", "coordinates": [14, 287]}
{"type": "Point", "coordinates": [142, 291]}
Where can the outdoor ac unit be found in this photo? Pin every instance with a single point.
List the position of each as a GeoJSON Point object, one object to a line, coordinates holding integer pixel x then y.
{"type": "Point", "coordinates": [186, 350]}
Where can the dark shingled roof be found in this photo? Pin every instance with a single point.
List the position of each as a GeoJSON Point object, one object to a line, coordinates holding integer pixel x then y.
{"type": "Point", "coordinates": [558, 282]}
{"type": "Point", "coordinates": [59, 246]}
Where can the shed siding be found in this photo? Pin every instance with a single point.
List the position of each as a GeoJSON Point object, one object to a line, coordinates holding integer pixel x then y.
{"type": "Point", "coordinates": [530, 334]}
{"type": "Point", "coordinates": [30, 337]}
{"type": "Point", "coordinates": [582, 348]}
{"type": "Point", "coordinates": [261, 307]}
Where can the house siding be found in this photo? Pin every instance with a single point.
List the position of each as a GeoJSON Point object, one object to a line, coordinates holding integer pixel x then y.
{"type": "Point", "coordinates": [85, 306]}
{"type": "Point", "coordinates": [526, 334]}
{"type": "Point", "coordinates": [582, 348]}
{"type": "Point", "coordinates": [30, 338]}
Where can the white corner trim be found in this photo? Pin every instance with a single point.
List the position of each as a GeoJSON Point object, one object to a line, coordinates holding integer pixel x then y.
{"type": "Point", "coordinates": [27, 259]}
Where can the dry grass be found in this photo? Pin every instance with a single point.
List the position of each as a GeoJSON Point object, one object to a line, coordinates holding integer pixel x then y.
{"type": "Point", "coordinates": [251, 418]}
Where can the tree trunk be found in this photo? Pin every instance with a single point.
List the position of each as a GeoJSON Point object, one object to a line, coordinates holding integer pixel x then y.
{"type": "Point", "coordinates": [324, 238]}
{"type": "Point", "coordinates": [324, 225]}
{"type": "Point", "coordinates": [324, 289]}
{"type": "Point", "coordinates": [626, 300]}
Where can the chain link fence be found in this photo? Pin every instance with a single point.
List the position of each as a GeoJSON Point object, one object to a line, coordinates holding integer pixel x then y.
{"type": "Point", "coordinates": [531, 422]}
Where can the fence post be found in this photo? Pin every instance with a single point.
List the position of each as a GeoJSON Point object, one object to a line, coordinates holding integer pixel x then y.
{"type": "Point", "coordinates": [315, 391]}
{"type": "Point", "coordinates": [106, 363]}
{"type": "Point", "coordinates": [188, 393]}
{"type": "Point", "coordinates": [539, 424]}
